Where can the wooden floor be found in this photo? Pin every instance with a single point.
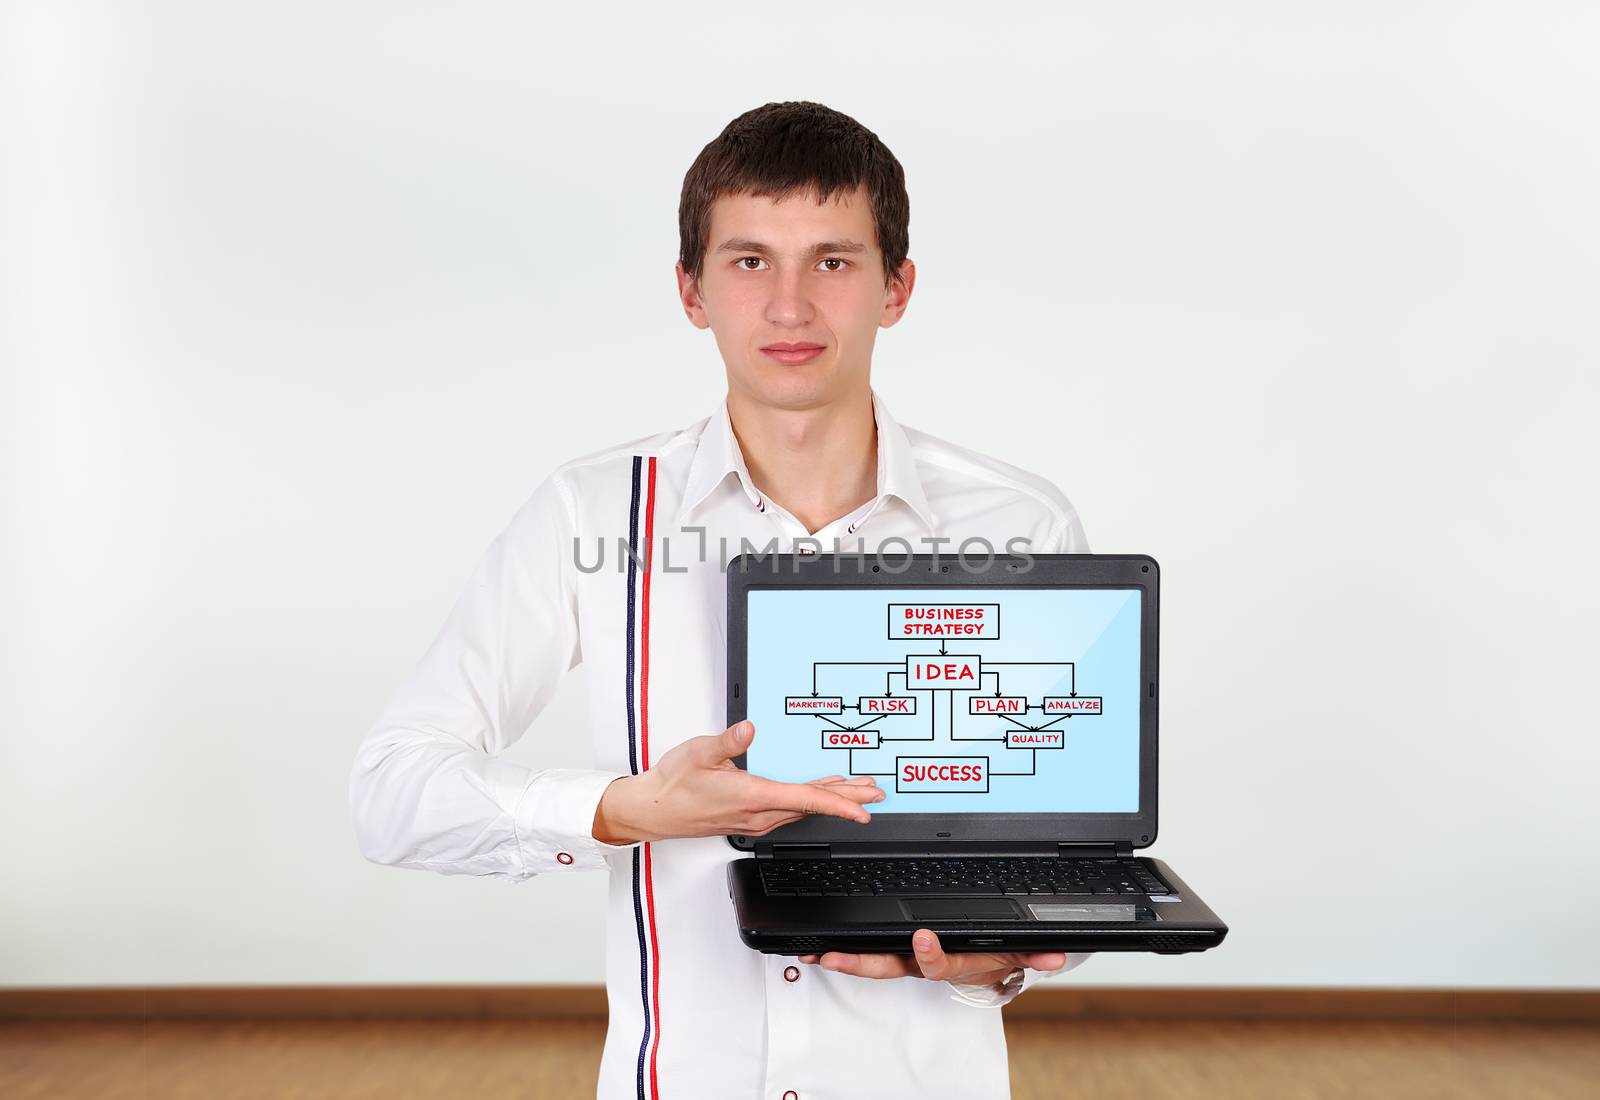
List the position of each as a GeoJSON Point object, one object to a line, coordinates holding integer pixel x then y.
{"type": "Point", "coordinates": [1051, 1059]}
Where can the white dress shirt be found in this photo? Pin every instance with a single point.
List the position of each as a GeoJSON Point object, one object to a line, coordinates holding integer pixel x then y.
{"type": "Point", "coordinates": [694, 1014]}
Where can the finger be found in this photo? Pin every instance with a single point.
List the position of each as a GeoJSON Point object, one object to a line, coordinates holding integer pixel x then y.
{"type": "Point", "coordinates": [716, 748]}
{"type": "Point", "coordinates": [929, 954]}
{"type": "Point", "coordinates": [933, 962]}
{"type": "Point", "coordinates": [764, 821]}
{"type": "Point", "coordinates": [818, 800]}
{"type": "Point", "coordinates": [859, 783]}
{"type": "Point", "coordinates": [1047, 961]}
{"type": "Point", "coordinates": [868, 966]}
{"type": "Point", "coordinates": [859, 794]}
{"type": "Point", "coordinates": [809, 958]}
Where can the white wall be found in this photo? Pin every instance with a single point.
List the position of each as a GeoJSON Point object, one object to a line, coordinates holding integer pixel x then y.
{"type": "Point", "coordinates": [300, 304]}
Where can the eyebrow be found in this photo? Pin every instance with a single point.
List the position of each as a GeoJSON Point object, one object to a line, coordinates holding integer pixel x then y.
{"type": "Point", "coordinates": [744, 244]}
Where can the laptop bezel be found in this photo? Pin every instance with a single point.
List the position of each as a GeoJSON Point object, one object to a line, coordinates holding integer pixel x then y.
{"type": "Point", "coordinates": [751, 572]}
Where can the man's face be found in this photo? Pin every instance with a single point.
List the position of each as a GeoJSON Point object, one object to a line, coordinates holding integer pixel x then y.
{"type": "Point", "coordinates": [794, 272]}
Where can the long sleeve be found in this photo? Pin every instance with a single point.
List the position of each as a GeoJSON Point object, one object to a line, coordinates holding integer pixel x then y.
{"type": "Point", "coordinates": [987, 996]}
{"type": "Point", "coordinates": [428, 789]}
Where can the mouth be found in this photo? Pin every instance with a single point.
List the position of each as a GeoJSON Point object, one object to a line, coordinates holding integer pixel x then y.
{"type": "Point", "coordinates": [793, 354]}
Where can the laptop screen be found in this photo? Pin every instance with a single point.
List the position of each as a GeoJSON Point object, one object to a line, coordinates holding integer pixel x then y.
{"type": "Point", "coordinates": [959, 700]}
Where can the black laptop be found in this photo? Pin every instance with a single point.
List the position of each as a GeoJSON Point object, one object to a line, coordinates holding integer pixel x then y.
{"type": "Point", "coordinates": [1006, 704]}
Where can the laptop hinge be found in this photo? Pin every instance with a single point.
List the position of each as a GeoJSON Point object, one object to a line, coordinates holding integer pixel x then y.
{"type": "Point", "coordinates": [1109, 850]}
{"type": "Point", "coordinates": [794, 851]}
{"type": "Point", "coordinates": [1105, 850]}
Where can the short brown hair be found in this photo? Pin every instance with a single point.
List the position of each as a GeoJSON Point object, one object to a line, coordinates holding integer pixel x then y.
{"type": "Point", "coordinates": [779, 150]}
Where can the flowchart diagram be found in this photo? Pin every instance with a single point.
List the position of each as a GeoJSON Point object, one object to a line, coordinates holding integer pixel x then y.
{"type": "Point", "coordinates": [891, 724]}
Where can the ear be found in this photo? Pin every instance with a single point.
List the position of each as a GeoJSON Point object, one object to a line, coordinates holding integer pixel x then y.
{"type": "Point", "coordinates": [898, 294]}
{"type": "Point", "coordinates": [689, 296]}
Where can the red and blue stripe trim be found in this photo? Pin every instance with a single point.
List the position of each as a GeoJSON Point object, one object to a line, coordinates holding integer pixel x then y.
{"type": "Point", "coordinates": [638, 715]}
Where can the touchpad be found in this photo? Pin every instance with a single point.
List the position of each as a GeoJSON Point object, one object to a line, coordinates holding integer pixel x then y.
{"type": "Point", "coordinates": [961, 909]}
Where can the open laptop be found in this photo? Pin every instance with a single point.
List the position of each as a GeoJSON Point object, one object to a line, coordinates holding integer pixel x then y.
{"type": "Point", "coordinates": [1007, 705]}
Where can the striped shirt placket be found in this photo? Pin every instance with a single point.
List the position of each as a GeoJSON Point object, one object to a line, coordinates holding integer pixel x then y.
{"type": "Point", "coordinates": [638, 715]}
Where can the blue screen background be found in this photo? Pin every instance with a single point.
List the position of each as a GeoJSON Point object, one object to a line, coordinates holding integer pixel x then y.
{"type": "Point", "coordinates": [1097, 769]}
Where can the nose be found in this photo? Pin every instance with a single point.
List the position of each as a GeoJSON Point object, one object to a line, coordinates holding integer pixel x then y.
{"type": "Point", "coordinates": [790, 304]}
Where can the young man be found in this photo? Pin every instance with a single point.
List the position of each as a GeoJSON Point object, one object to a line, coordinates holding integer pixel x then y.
{"type": "Point", "coordinates": [794, 232]}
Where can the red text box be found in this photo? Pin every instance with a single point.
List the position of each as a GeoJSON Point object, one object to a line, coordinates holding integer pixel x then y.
{"type": "Point", "coordinates": [1072, 704]}
{"type": "Point", "coordinates": [938, 670]}
{"type": "Point", "coordinates": [951, 774]}
{"type": "Point", "coordinates": [849, 739]}
{"type": "Point", "coordinates": [944, 620]}
{"type": "Point", "coordinates": [997, 704]}
{"type": "Point", "coordinates": [813, 704]}
{"type": "Point", "coordinates": [1035, 739]}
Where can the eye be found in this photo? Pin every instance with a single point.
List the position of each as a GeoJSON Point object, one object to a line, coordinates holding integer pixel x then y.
{"type": "Point", "coordinates": [741, 261]}
{"type": "Point", "coordinates": [835, 260]}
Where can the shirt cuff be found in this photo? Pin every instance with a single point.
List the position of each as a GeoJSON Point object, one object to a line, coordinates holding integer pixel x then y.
{"type": "Point", "coordinates": [555, 821]}
{"type": "Point", "coordinates": [988, 996]}
{"type": "Point", "coordinates": [980, 995]}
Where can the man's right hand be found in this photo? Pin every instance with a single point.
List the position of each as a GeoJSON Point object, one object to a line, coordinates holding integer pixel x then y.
{"type": "Point", "coordinates": [697, 790]}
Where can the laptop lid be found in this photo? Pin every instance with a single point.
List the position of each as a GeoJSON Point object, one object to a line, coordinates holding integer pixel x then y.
{"type": "Point", "coordinates": [1003, 702]}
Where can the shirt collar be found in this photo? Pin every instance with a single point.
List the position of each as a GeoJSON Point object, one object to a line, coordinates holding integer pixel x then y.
{"type": "Point", "coordinates": [717, 455]}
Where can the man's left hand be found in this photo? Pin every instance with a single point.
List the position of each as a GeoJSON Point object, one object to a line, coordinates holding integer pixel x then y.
{"type": "Point", "coordinates": [930, 961]}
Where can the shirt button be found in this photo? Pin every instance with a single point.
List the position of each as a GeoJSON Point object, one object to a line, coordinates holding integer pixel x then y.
{"type": "Point", "coordinates": [563, 857]}
{"type": "Point", "coordinates": [791, 973]}
{"type": "Point", "coordinates": [791, 1095]}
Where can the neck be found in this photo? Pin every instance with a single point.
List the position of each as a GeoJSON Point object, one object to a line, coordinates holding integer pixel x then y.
{"type": "Point", "coordinates": [819, 463]}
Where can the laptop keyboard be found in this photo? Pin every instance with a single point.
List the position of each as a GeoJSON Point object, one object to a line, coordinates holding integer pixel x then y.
{"type": "Point", "coordinates": [982, 876]}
